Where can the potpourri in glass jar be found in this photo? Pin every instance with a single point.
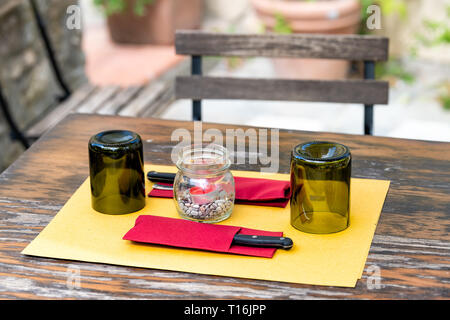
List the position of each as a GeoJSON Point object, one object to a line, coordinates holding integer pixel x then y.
{"type": "Point", "coordinates": [204, 188]}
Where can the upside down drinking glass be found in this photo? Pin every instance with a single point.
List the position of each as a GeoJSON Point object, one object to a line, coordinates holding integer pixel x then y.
{"type": "Point", "coordinates": [116, 165]}
{"type": "Point", "coordinates": [320, 183]}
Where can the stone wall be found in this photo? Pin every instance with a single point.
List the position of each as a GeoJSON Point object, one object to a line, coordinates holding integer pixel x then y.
{"type": "Point", "coordinates": [26, 77]}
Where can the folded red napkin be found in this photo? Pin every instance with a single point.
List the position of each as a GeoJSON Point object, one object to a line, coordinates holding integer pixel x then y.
{"type": "Point", "coordinates": [252, 191]}
{"type": "Point", "coordinates": [196, 235]}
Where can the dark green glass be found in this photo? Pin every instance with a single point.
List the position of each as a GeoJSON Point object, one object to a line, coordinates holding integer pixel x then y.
{"type": "Point", "coordinates": [320, 183]}
{"type": "Point", "coordinates": [116, 164]}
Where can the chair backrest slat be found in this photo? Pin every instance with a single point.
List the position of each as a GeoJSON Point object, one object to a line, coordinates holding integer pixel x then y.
{"type": "Point", "coordinates": [341, 91]}
{"type": "Point", "coordinates": [346, 47]}
{"type": "Point", "coordinates": [369, 49]}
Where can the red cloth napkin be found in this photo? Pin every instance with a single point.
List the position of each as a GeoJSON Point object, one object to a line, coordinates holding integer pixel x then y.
{"type": "Point", "coordinates": [195, 235]}
{"type": "Point", "coordinates": [252, 191]}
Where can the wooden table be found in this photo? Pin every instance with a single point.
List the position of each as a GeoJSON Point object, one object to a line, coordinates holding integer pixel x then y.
{"type": "Point", "coordinates": [411, 245]}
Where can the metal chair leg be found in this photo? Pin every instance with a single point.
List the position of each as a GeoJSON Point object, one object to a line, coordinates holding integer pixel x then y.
{"type": "Point", "coordinates": [368, 119]}
{"type": "Point", "coordinates": [196, 110]}
{"type": "Point", "coordinates": [196, 69]}
{"type": "Point", "coordinates": [369, 73]}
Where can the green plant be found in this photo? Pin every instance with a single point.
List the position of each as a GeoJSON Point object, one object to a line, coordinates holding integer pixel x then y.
{"type": "Point", "coordinates": [445, 101]}
{"type": "Point", "coordinates": [393, 69]}
{"type": "Point", "coordinates": [443, 96]}
{"type": "Point", "coordinates": [115, 6]}
{"type": "Point", "coordinates": [438, 32]}
{"type": "Point", "coordinates": [281, 24]}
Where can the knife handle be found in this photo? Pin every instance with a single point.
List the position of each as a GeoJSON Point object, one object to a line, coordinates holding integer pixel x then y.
{"type": "Point", "coordinates": [161, 177]}
{"type": "Point", "coordinates": [263, 241]}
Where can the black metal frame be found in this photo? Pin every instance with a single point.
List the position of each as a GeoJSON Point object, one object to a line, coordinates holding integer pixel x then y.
{"type": "Point", "coordinates": [196, 69]}
{"type": "Point", "coordinates": [369, 74]}
{"type": "Point", "coordinates": [50, 52]}
{"type": "Point", "coordinates": [16, 134]}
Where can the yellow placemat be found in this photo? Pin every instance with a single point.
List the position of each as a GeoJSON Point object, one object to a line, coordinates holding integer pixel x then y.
{"type": "Point", "coordinates": [78, 232]}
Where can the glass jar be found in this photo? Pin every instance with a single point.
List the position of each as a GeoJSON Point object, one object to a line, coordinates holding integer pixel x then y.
{"type": "Point", "coordinates": [320, 184]}
{"type": "Point", "coordinates": [204, 186]}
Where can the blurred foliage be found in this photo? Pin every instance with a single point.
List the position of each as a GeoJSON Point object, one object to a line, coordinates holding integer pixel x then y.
{"type": "Point", "coordinates": [393, 70]}
{"type": "Point", "coordinates": [445, 101]}
{"type": "Point", "coordinates": [444, 96]}
{"type": "Point", "coordinates": [438, 32]}
{"type": "Point", "coordinates": [281, 24]}
{"type": "Point", "coordinates": [116, 6]}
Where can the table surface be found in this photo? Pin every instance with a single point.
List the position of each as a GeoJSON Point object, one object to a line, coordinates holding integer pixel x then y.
{"type": "Point", "coordinates": [410, 250]}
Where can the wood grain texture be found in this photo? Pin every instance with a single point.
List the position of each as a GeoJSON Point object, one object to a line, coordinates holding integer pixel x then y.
{"type": "Point", "coordinates": [112, 106]}
{"type": "Point", "coordinates": [411, 246]}
{"type": "Point", "coordinates": [342, 91]}
{"type": "Point", "coordinates": [59, 113]}
{"type": "Point", "coordinates": [346, 47]}
{"type": "Point", "coordinates": [97, 100]}
{"type": "Point", "coordinates": [145, 100]}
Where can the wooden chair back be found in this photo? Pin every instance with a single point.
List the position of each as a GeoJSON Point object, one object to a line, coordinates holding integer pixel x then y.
{"type": "Point", "coordinates": [367, 91]}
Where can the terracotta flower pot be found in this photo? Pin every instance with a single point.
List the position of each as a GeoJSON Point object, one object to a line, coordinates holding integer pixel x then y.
{"type": "Point", "coordinates": [324, 17]}
{"type": "Point", "coordinates": [159, 23]}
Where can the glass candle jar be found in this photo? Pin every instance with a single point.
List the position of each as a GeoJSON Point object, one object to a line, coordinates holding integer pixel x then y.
{"type": "Point", "coordinates": [116, 164]}
{"type": "Point", "coordinates": [204, 186]}
{"type": "Point", "coordinates": [320, 183]}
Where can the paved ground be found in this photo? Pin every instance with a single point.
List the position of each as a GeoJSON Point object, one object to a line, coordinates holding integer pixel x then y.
{"type": "Point", "coordinates": [125, 65]}
{"type": "Point", "coordinates": [111, 64]}
{"type": "Point", "coordinates": [413, 111]}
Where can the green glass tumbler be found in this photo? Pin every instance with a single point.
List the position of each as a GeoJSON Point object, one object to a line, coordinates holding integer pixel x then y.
{"type": "Point", "coordinates": [320, 184]}
{"type": "Point", "coordinates": [116, 165]}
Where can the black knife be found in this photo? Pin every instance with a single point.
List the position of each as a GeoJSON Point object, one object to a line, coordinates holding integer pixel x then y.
{"type": "Point", "coordinates": [154, 176]}
{"type": "Point", "coordinates": [263, 241]}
